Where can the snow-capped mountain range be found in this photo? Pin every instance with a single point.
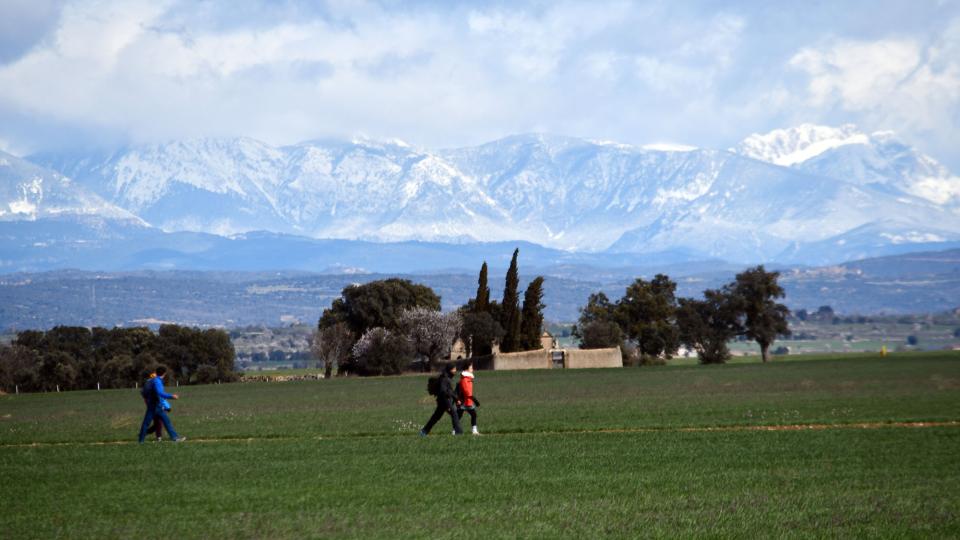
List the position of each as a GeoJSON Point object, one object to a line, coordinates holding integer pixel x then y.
{"type": "Point", "coordinates": [809, 194]}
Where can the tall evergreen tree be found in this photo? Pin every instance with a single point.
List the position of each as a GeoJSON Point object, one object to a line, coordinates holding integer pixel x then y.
{"type": "Point", "coordinates": [481, 302]}
{"type": "Point", "coordinates": [510, 314]}
{"type": "Point", "coordinates": [481, 327]}
{"type": "Point", "coordinates": [531, 324]}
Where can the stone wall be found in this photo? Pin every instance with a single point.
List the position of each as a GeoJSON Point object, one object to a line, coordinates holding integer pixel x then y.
{"type": "Point", "coordinates": [592, 358]}
{"type": "Point", "coordinates": [539, 359]}
{"type": "Point", "coordinates": [281, 378]}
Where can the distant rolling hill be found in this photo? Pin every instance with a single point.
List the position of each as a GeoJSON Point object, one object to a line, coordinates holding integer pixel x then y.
{"type": "Point", "coordinates": [910, 283]}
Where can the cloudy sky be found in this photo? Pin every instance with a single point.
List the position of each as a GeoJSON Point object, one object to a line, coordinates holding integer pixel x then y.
{"type": "Point", "coordinates": [448, 73]}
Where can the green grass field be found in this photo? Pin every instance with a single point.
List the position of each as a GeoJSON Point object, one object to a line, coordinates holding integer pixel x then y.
{"type": "Point", "coordinates": [656, 451]}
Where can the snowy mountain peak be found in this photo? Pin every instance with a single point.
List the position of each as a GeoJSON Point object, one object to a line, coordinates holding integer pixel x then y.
{"type": "Point", "coordinates": [790, 146]}
{"type": "Point", "coordinates": [669, 147]}
{"type": "Point", "coordinates": [847, 153]}
{"type": "Point", "coordinates": [29, 192]}
{"type": "Point", "coordinates": [379, 143]}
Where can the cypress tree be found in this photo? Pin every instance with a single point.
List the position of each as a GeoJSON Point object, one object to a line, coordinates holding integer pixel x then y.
{"type": "Point", "coordinates": [532, 316]}
{"type": "Point", "coordinates": [510, 315]}
{"type": "Point", "coordinates": [482, 301]}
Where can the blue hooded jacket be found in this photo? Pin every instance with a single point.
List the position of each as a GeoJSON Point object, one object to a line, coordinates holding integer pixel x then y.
{"type": "Point", "coordinates": [158, 396]}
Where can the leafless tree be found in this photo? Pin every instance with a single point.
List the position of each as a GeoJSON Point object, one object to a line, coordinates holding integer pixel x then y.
{"type": "Point", "coordinates": [333, 345]}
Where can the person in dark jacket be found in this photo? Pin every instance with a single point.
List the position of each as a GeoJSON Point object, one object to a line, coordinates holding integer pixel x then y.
{"type": "Point", "coordinates": [446, 402]}
{"type": "Point", "coordinates": [156, 396]}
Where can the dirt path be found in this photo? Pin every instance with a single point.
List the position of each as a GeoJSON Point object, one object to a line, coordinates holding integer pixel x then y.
{"type": "Point", "coordinates": [781, 427]}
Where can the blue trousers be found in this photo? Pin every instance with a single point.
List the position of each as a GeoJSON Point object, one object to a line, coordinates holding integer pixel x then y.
{"type": "Point", "coordinates": [158, 412]}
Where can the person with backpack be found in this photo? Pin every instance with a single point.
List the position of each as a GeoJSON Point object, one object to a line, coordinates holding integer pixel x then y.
{"type": "Point", "coordinates": [467, 402]}
{"type": "Point", "coordinates": [157, 426]}
{"type": "Point", "coordinates": [156, 397]}
{"type": "Point", "coordinates": [441, 386]}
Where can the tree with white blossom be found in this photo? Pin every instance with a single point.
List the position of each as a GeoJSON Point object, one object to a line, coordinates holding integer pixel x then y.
{"type": "Point", "coordinates": [431, 332]}
{"type": "Point", "coordinates": [381, 352]}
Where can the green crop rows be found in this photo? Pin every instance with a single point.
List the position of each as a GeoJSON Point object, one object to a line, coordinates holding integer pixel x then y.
{"type": "Point", "coordinates": [594, 453]}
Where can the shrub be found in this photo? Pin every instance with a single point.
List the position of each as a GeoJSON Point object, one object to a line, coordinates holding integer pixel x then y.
{"type": "Point", "coordinates": [204, 375]}
{"type": "Point", "coordinates": [600, 335]}
{"type": "Point", "coordinates": [381, 352]}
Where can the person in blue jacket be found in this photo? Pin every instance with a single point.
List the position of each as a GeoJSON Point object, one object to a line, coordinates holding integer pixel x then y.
{"type": "Point", "coordinates": [157, 406]}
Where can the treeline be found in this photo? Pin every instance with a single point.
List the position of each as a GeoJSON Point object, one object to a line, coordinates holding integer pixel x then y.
{"type": "Point", "coordinates": [75, 358]}
{"type": "Point", "coordinates": [650, 323]}
{"type": "Point", "coordinates": [389, 326]}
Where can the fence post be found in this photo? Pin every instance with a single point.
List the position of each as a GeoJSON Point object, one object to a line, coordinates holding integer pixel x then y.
{"type": "Point", "coordinates": [16, 389]}
{"type": "Point", "coordinates": [98, 386]}
{"type": "Point", "coordinates": [58, 388]}
{"type": "Point", "coordinates": [136, 385]}
{"type": "Point", "coordinates": [178, 383]}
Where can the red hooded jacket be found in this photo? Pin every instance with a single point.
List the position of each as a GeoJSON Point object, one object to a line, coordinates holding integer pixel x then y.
{"type": "Point", "coordinates": [466, 388]}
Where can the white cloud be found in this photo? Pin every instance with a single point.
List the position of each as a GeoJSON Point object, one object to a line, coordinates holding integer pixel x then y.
{"type": "Point", "coordinates": [860, 75]}
{"type": "Point", "coordinates": [447, 74]}
{"type": "Point", "coordinates": [24, 24]}
{"type": "Point", "coordinates": [428, 76]}
{"type": "Point", "coordinates": [898, 84]}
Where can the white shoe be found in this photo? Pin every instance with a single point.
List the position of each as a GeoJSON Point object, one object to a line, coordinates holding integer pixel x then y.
{"type": "Point", "coordinates": [476, 431]}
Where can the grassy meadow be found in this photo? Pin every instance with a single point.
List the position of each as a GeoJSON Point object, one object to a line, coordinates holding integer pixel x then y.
{"type": "Point", "coordinates": [814, 446]}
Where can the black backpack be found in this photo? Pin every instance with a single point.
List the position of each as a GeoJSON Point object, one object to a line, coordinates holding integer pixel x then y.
{"type": "Point", "coordinates": [433, 386]}
{"type": "Point", "coordinates": [149, 389]}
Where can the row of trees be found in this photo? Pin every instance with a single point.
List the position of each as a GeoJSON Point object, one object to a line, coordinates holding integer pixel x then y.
{"type": "Point", "coordinates": [71, 357]}
{"type": "Point", "coordinates": [652, 319]}
{"type": "Point", "coordinates": [514, 328]}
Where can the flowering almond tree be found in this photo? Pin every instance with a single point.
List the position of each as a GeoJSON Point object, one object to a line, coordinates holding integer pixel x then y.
{"type": "Point", "coordinates": [381, 352]}
{"type": "Point", "coordinates": [431, 332]}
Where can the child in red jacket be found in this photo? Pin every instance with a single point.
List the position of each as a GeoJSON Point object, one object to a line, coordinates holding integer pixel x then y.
{"type": "Point", "coordinates": [467, 401]}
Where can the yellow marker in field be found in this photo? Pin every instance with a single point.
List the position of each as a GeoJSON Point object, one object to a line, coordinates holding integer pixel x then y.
{"type": "Point", "coordinates": [883, 350]}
